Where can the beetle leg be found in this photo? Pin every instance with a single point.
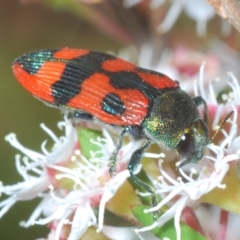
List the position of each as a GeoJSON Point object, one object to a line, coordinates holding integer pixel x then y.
{"type": "Point", "coordinates": [134, 161]}
{"type": "Point", "coordinates": [198, 101]}
{"type": "Point", "coordinates": [82, 115]}
{"type": "Point", "coordinates": [192, 159]}
{"type": "Point", "coordinates": [113, 159]}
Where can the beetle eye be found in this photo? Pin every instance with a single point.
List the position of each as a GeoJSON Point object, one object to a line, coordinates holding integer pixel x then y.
{"type": "Point", "coordinates": [186, 146]}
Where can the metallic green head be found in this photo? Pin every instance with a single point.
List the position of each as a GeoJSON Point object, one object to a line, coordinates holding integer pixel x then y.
{"type": "Point", "coordinates": [174, 122]}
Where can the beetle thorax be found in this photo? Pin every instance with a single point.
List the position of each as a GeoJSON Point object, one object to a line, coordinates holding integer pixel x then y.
{"type": "Point", "coordinates": [172, 113]}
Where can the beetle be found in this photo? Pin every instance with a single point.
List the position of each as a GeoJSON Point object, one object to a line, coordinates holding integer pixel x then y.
{"type": "Point", "coordinates": [101, 88]}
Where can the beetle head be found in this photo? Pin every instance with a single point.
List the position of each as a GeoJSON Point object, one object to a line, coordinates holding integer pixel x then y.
{"type": "Point", "coordinates": [174, 122]}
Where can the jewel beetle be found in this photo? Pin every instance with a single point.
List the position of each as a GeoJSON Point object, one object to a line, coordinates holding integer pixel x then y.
{"type": "Point", "coordinates": [98, 87]}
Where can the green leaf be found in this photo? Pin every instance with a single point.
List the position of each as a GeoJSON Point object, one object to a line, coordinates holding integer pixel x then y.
{"type": "Point", "coordinates": [168, 229]}
{"type": "Point", "coordinates": [122, 201]}
{"type": "Point", "coordinates": [85, 137]}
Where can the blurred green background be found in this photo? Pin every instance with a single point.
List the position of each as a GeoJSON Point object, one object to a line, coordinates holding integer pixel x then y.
{"type": "Point", "coordinates": [26, 27]}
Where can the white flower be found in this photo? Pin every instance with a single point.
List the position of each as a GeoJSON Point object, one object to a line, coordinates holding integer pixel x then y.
{"type": "Point", "coordinates": [32, 168]}
{"type": "Point", "coordinates": [204, 13]}
{"type": "Point", "coordinates": [43, 172]}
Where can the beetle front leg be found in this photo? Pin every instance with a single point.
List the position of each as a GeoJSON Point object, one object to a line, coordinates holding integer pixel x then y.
{"type": "Point", "coordinates": [134, 161]}
{"type": "Point", "coordinates": [198, 101]}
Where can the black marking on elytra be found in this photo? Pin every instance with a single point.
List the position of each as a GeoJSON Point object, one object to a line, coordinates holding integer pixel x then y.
{"type": "Point", "coordinates": [112, 104]}
{"type": "Point", "coordinates": [79, 69]}
{"type": "Point", "coordinates": [148, 71]}
{"type": "Point", "coordinates": [32, 62]}
{"type": "Point", "coordinates": [131, 80]}
{"type": "Point", "coordinates": [76, 71]}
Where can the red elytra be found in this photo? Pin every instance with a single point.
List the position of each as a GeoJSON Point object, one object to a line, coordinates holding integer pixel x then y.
{"type": "Point", "coordinates": [94, 85]}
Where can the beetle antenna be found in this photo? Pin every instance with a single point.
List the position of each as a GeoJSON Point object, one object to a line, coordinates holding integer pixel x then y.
{"type": "Point", "coordinates": [221, 126]}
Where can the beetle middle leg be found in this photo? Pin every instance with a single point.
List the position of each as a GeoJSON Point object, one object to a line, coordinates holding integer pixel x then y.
{"type": "Point", "coordinates": [135, 132]}
{"type": "Point", "coordinates": [134, 161]}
